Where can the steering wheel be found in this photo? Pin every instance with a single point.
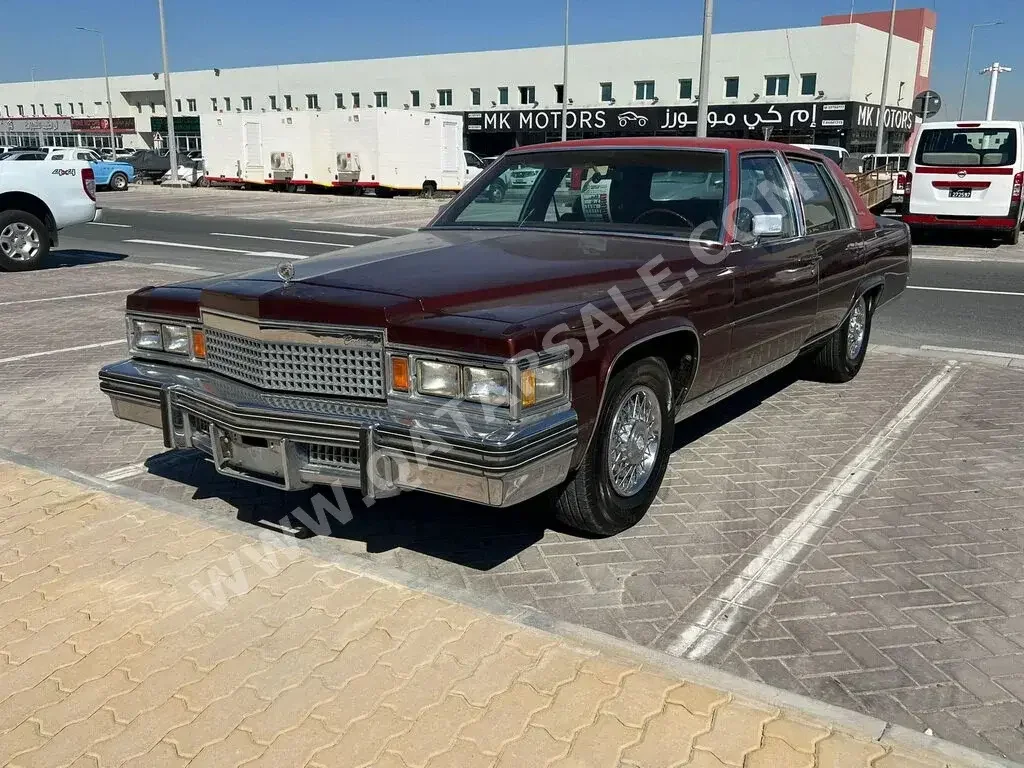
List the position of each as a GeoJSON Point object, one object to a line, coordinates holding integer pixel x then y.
{"type": "Point", "coordinates": [669, 211]}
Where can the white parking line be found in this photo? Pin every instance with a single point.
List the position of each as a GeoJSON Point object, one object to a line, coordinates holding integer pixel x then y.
{"type": "Point", "coordinates": [983, 352]}
{"type": "Point", "coordinates": [62, 298]}
{"type": "Point", "coordinates": [109, 224]}
{"type": "Point", "coordinates": [271, 254]}
{"type": "Point", "coordinates": [345, 234]}
{"type": "Point", "coordinates": [964, 290]}
{"type": "Point", "coordinates": [29, 356]}
{"type": "Point", "coordinates": [280, 239]}
{"type": "Point", "coordinates": [123, 473]}
{"type": "Point", "coordinates": [785, 549]}
{"type": "Point", "coordinates": [174, 266]}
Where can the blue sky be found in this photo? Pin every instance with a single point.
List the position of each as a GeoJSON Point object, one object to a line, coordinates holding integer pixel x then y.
{"type": "Point", "coordinates": [228, 33]}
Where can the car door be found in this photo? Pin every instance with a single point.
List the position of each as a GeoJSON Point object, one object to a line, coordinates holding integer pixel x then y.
{"type": "Point", "coordinates": [776, 275]}
{"type": "Point", "coordinates": [830, 229]}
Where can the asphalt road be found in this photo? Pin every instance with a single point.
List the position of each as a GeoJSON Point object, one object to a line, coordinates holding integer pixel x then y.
{"type": "Point", "coordinates": [963, 305]}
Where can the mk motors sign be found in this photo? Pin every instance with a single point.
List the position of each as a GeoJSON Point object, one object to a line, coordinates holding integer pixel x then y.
{"type": "Point", "coordinates": [731, 119]}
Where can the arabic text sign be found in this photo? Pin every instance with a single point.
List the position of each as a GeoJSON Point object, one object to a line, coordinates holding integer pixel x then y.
{"type": "Point", "coordinates": [35, 125]}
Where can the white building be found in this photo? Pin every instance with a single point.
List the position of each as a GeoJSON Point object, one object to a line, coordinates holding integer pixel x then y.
{"type": "Point", "coordinates": [812, 84]}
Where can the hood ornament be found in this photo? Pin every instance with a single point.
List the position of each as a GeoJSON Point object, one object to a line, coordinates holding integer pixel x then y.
{"type": "Point", "coordinates": [286, 271]}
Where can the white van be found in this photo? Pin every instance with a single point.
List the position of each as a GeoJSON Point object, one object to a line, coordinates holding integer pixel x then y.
{"type": "Point", "coordinates": [969, 176]}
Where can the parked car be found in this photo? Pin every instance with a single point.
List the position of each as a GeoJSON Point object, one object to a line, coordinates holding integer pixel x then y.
{"type": "Point", "coordinates": [24, 154]}
{"type": "Point", "coordinates": [37, 200]}
{"type": "Point", "coordinates": [511, 352]}
{"type": "Point", "coordinates": [110, 174]}
{"type": "Point", "coordinates": [151, 164]}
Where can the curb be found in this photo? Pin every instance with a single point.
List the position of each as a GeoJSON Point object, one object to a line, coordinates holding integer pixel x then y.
{"type": "Point", "coordinates": [854, 723]}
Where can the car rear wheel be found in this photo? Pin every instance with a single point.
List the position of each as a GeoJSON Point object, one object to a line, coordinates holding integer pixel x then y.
{"type": "Point", "coordinates": [24, 241]}
{"type": "Point", "coordinates": [119, 182]}
{"type": "Point", "coordinates": [843, 354]}
{"type": "Point", "coordinates": [622, 471]}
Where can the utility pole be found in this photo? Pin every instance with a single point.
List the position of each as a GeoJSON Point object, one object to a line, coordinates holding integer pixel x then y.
{"type": "Point", "coordinates": [970, 52]}
{"type": "Point", "coordinates": [106, 78]}
{"type": "Point", "coordinates": [705, 69]}
{"type": "Point", "coordinates": [565, 74]}
{"type": "Point", "coordinates": [171, 141]}
{"type": "Point", "coordinates": [880, 133]}
{"type": "Point", "coordinates": [994, 71]}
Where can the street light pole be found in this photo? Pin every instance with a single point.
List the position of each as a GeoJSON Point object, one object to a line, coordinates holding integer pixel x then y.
{"type": "Point", "coordinates": [994, 71]}
{"type": "Point", "coordinates": [106, 79]}
{"type": "Point", "coordinates": [169, 107]}
{"type": "Point", "coordinates": [970, 53]}
{"type": "Point", "coordinates": [880, 133]}
{"type": "Point", "coordinates": [565, 74]}
{"type": "Point", "coordinates": [705, 69]}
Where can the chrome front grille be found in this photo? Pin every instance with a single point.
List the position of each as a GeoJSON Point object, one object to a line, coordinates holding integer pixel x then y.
{"type": "Point", "coordinates": [340, 370]}
{"type": "Point", "coordinates": [332, 456]}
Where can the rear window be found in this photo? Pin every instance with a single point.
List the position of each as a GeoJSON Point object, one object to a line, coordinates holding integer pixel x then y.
{"type": "Point", "coordinates": [967, 147]}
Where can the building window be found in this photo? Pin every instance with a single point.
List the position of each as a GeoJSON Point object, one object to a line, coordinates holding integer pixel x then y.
{"type": "Point", "coordinates": [474, 96]}
{"type": "Point", "coordinates": [81, 108]}
{"type": "Point", "coordinates": [339, 100]}
{"type": "Point", "coordinates": [414, 98]}
{"type": "Point", "coordinates": [808, 84]}
{"type": "Point", "coordinates": [527, 94]}
{"type": "Point", "coordinates": [380, 98]}
{"type": "Point", "coordinates": [227, 103]}
{"type": "Point", "coordinates": [287, 101]}
{"type": "Point", "coordinates": [644, 90]}
{"type": "Point", "coordinates": [21, 110]}
{"type": "Point", "coordinates": [606, 91]}
{"type": "Point", "coordinates": [71, 107]}
{"type": "Point", "coordinates": [7, 111]}
{"type": "Point", "coordinates": [503, 95]}
{"type": "Point", "coordinates": [732, 87]}
{"type": "Point", "coordinates": [444, 97]}
{"type": "Point", "coordinates": [559, 93]}
{"type": "Point", "coordinates": [152, 108]}
{"type": "Point", "coordinates": [33, 110]}
{"type": "Point", "coordinates": [59, 108]}
{"type": "Point", "coordinates": [312, 101]}
{"type": "Point", "coordinates": [191, 105]}
{"type": "Point", "coordinates": [247, 103]}
{"type": "Point", "coordinates": [177, 105]}
{"type": "Point", "coordinates": [213, 103]}
{"type": "Point", "coordinates": [776, 85]}
{"type": "Point", "coordinates": [685, 88]}
{"type": "Point", "coordinates": [355, 99]}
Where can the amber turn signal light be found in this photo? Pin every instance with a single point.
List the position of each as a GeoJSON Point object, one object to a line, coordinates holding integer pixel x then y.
{"type": "Point", "coordinates": [400, 374]}
{"type": "Point", "coordinates": [198, 344]}
{"type": "Point", "coordinates": [528, 388]}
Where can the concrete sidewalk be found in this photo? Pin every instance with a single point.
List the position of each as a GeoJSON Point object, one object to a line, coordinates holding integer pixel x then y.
{"type": "Point", "coordinates": [131, 635]}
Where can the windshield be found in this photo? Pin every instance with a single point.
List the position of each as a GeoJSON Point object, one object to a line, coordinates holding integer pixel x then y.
{"type": "Point", "coordinates": [675, 192]}
{"type": "Point", "coordinates": [967, 147]}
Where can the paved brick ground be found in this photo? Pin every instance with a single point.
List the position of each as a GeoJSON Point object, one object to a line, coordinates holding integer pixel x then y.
{"type": "Point", "coordinates": [909, 608]}
{"type": "Point", "coordinates": [308, 208]}
{"type": "Point", "coordinates": [136, 637]}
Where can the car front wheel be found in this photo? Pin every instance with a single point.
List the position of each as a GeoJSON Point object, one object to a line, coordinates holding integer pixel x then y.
{"type": "Point", "coordinates": [843, 354]}
{"type": "Point", "coordinates": [622, 471]}
{"type": "Point", "coordinates": [24, 241]}
{"type": "Point", "coordinates": [119, 182]}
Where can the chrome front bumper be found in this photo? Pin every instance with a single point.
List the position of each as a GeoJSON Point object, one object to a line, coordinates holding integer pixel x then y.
{"type": "Point", "coordinates": [295, 441]}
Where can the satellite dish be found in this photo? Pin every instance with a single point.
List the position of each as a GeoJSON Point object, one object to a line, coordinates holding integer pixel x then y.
{"type": "Point", "coordinates": [927, 104]}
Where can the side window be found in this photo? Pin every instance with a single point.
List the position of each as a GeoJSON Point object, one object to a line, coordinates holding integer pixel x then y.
{"type": "Point", "coordinates": [823, 207]}
{"type": "Point", "coordinates": [763, 191]}
{"type": "Point", "coordinates": [57, 157]}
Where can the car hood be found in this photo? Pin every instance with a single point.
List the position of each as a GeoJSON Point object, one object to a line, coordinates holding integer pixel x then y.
{"type": "Point", "coordinates": [507, 276]}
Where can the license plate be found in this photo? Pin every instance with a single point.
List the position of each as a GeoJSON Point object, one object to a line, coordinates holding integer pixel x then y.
{"type": "Point", "coordinates": [960, 193]}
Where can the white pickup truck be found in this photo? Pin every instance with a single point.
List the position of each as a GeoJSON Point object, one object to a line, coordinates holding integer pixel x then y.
{"type": "Point", "coordinates": [37, 200]}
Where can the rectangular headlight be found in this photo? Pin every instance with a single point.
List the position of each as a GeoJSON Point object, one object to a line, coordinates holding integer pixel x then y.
{"type": "Point", "coordinates": [539, 385]}
{"type": "Point", "coordinates": [487, 386]}
{"type": "Point", "coordinates": [146, 335]}
{"type": "Point", "coordinates": [176, 339]}
{"type": "Point", "coordinates": [438, 379]}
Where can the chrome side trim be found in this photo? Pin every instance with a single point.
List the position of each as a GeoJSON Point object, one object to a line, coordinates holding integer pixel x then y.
{"type": "Point", "coordinates": [293, 333]}
{"type": "Point", "coordinates": [698, 404]}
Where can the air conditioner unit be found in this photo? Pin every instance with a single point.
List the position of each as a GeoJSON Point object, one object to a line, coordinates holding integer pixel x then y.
{"type": "Point", "coordinates": [282, 166]}
{"type": "Point", "coordinates": [348, 166]}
